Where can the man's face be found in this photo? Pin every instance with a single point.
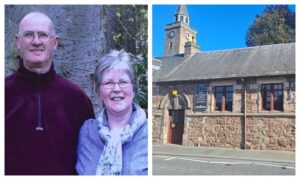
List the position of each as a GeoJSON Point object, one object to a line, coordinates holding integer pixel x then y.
{"type": "Point", "coordinates": [36, 42]}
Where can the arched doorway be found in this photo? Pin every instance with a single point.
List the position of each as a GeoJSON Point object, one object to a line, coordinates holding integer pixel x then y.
{"type": "Point", "coordinates": [173, 110]}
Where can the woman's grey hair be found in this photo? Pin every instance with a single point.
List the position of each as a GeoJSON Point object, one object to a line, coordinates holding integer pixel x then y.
{"type": "Point", "coordinates": [115, 60]}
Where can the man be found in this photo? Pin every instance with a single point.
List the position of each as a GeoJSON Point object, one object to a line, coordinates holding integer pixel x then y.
{"type": "Point", "coordinates": [43, 111]}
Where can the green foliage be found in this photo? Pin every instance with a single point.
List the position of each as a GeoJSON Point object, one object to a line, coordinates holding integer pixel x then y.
{"type": "Point", "coordinates": [117, 36]}
{"type": "Point", "coordinates": [275, 25]}
{"type": "Point", "coordinates": [130, 27]}
{"type": "Point", "coordinates": [12, 60]}
{"type": "Point", "coordinates": [13, 53]}
{"type": "Point", "coordinates": [130, 32]}
{"type": "Point", "coordinates": [140, 68]}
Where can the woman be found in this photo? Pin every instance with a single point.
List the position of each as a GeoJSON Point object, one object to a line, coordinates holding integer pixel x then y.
{"type": "Point", "coordinates": [116, 142]}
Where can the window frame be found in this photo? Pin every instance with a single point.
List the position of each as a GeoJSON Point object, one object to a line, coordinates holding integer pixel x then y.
{"type": "Point", "coordinates": [272, 102]}
{"type": "Point", "coordinates": [224, 98]}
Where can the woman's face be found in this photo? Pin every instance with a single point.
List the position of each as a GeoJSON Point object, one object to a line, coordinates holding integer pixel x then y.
{"type": "Point", "coordinates": [116, 91]}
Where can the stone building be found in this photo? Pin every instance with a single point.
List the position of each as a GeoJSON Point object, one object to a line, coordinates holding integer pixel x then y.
{"type": "Point", "coordinates": [239, 98]}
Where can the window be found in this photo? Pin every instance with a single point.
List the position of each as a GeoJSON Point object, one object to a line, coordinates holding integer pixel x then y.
{"type": "Point", "coordinates": [181, 18]}
{"type": "Point", "coordinates": [170, 45]}
{"type": "Point", "coordinates": [187, 20]}
{"type": "Point", "coordinates": [272, 97]}
{"type": "Point", "coordinates": [193, 39]}
{"type": "Point", "coordinates": [224, 98]}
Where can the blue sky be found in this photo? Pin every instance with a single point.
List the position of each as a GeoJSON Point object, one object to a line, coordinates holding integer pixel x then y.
{"type": "Point", "coordinates": [218, 26]}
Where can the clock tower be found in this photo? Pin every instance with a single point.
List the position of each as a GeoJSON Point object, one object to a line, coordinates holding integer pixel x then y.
{"type": "Point", "coordinates": [180, 37]}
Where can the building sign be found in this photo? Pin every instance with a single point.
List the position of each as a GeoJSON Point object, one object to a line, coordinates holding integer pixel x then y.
{"type": "Point", "coordinates": [200, 97]}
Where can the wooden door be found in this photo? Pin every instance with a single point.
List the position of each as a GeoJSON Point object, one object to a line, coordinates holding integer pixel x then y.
{"type": "Point", "coordinates": [176, 126]}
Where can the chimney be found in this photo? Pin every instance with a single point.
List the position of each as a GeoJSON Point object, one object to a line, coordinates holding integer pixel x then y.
{"type": "Point", "coordinates": [190, 48]}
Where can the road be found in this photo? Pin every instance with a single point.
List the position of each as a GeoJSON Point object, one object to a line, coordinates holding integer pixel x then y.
{"type": "Point", "coordinates": [191, 165]}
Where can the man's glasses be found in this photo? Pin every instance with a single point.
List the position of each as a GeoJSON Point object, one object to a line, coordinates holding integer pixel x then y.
{"type": "Point", "coordinates": [110, 85]}
{"type": "Point", "coordinates": [42, 36]}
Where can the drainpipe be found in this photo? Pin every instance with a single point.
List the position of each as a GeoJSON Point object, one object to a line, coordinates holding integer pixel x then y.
{"type": "Point", "coordinates": [245, 111]}
{"type": "Point", "coordinates": [211, 95]}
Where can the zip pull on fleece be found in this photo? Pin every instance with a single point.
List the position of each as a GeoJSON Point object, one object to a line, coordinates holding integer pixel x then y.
{"type": "Point", "coordinates": [39, 123]}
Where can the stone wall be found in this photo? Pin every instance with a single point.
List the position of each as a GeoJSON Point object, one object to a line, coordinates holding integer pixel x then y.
{"type": "Point", "coordinates": [156, 116]}
{"type": "Point", "coordinates": [273, 133]}
{"type": "Point", "coordinates": [215, 131]}
{"type": "Point", "coordinates": [156, 129]}
{"type": "Point", "coordinates": [262, 132]}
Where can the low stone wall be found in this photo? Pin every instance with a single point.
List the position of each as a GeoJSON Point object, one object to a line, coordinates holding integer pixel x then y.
{"type": "Point", "coordinates": [263, 132]}
{"type": "Point", "coordinates": [213, 131]}
{"type": "Point", "coordinates": [272, 133]}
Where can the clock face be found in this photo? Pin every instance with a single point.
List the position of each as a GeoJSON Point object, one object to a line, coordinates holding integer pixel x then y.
{"type": "Point", "coordinates": [187, 36]}
{"type": "Point", "coordinates": [171, 34]}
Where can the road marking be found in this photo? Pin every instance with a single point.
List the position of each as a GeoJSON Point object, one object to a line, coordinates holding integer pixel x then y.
{"type": "Point", "coordinates": [274, 165]}
{"type": "Point", "coordinates": [194, 160]}
{"type": "Point", "coordinates": [232, 163]}
{"type": "Point", "coordinates": [168, 159]}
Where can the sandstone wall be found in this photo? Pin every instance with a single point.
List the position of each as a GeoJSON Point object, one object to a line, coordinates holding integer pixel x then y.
{"type": "Point", "coordinates": [273, 133]}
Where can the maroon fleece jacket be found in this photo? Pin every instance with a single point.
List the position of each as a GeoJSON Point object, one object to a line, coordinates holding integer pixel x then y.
{"type": "Point", "coordinates": [43, 115]}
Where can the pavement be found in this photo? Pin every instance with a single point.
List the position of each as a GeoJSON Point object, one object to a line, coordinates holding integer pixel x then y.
{"type": "Point", "coordinates": [286, 157]}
